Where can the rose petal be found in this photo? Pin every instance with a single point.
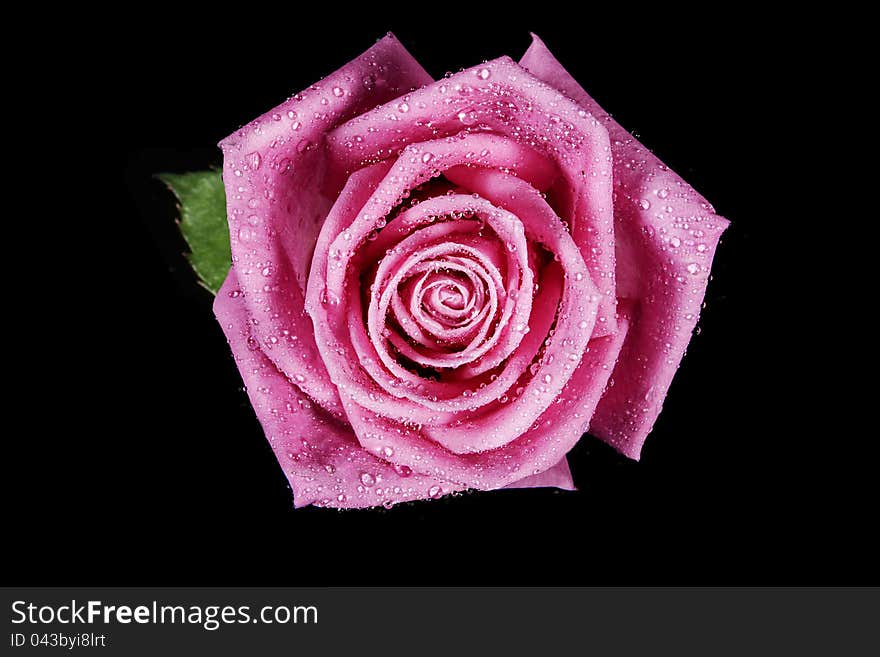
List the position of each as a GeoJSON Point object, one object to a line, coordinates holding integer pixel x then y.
{"type": "Point", "coordinates": [320, 456]}
{"type": "Point", "coordinates": [538, 449]}
{"type": "Point", "coordinates": [274, 174]}
{"type": "Point", "coordinates": [559, 476]}
{"type": "Point", "coordinates": [668, 234]}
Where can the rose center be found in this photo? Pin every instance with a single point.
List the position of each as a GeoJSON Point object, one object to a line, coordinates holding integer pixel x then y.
{"type": "Point", "coordinates": [451, 297]}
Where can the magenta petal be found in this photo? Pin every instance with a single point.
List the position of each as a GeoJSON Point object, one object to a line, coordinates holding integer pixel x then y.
{"type": "Point", "coordinates": [559, 476]}
{"type": "Point", "coordinates": [275, 179]}
{"type": "Point", "coordinates": [320, 455]}
{"type": "Point", "coordinates": [667, 236]}
{"type": "Point", "coordinates": [542, 445]}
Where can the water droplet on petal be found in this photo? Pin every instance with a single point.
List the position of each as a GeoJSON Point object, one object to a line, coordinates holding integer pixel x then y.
{"type": "Point", "coordinates": [484, 73]}
{"type": "Point", "coordinates": [339, 92]}
{"type": "Point", "coordinates": [435, 492]}
{"type": "Point", "coordinates": [468, 118]}
{"type": "Point", "coordinates": [367, 479]}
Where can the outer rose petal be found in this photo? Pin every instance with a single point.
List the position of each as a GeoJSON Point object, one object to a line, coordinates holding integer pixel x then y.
{"type": "Point", "coordinates": [666, 235]}
{"type": "Point", "coordinates": [320, 456]}
{"type": "Point", "coordinates": [278, 192]}
{"type": "Point", "coordinates": [559, 476]}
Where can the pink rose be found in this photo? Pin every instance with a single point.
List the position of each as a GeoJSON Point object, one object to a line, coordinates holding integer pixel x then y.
{"type": "Point", "coordinates": [442, 285]}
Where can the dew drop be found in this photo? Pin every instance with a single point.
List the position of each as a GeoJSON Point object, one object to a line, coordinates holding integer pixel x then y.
{"type": "Point", "coordinates": [645, 204]}
{"type": "Point", "coordinates": [467, 118]}
{"type": "Point", "coordinates": [367, 479]}
{"type": "Point", "coordinates": [253, 160]}
{"type": "Point", "coordinates": [339, 92]}
{"type": "Point", "coordinates": [484, 73]}
{"type": "Point", "coordinates": [693, 268]}
{"type": "Point", "coordinates": [403, 108]}
{"type": "Point", "coordinates": [435, 492]}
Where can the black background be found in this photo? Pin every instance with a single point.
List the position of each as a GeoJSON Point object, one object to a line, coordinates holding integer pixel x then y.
{"type": "Point", "coordinates": [139, 460]}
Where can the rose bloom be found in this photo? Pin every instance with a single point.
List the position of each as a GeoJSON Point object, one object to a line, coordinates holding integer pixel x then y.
{"type": "Point", "coordinates": [441, 285]}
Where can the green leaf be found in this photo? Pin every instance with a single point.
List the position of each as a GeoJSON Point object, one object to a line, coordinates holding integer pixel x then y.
{"type": "Point", "coordinates": [203, 223]}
